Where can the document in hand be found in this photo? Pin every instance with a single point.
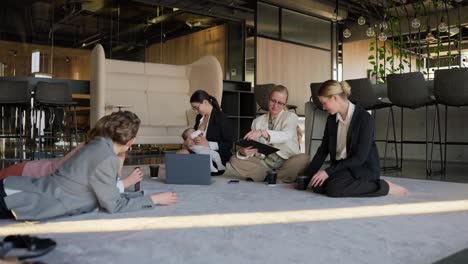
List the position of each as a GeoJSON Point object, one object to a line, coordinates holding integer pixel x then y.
{"type": "Point", "coordinates": [262, 148]}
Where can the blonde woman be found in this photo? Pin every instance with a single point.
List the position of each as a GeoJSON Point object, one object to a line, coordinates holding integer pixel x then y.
{"type": "Point", "coordinates": [349, 140]}
{"type": "Point", "coordinates": [276, 128]}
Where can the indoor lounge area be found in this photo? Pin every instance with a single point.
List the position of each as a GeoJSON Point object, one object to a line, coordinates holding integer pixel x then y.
{"type": "Point", "coordinates": [235, 131]}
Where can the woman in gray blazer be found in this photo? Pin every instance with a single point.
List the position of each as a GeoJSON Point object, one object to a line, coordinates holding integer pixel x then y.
{"type": "Point", "coordinates": [349, 140]}
{"type": "Point", "coordinates": [84, 183]}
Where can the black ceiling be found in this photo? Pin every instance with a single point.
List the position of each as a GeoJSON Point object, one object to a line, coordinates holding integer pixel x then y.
{"type": "Point", "coordinates": [129, 24]}
{"type": "Point", "coordinates": [124, 23]}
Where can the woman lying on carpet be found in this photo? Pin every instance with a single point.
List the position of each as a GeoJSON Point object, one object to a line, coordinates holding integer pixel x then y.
{"type": "Point", "coordinates": [85, 182]}
{"type": "Point", "coordinates": [349, 140]}
{"type": "Point", "coordinates": [42, 168]}
{"type": "Point", "coordinates": [278, 128]}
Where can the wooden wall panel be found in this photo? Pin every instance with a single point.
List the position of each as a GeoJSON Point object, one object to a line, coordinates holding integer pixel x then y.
{"type": "Point", "coordinates": [189, 48]}
{"type": "Point", "coordinates": [293, 66]}
{"type": "Point", "coordinates": [356, 62]}
{"type": "Point", "coordinates": [17, 57]}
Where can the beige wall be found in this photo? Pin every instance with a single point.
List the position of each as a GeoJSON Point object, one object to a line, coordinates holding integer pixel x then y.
{"type": "Point", "coordinates": [293, 66]}
{"type": "Point", "coordinates": [356, 62]}
{"type": "Point", "coordinates": [189, 48]}
{"type": "Point", "coordinates": [20, 64]}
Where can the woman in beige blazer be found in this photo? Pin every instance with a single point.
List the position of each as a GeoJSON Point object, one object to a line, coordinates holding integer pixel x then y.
{"type": "Point", "coordinates": [277, 128]}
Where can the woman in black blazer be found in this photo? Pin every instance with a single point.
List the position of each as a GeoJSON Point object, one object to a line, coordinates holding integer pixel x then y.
{"type": "Point", "coordinates": [215, 125]}
{"type": "Point", "coordinates": [355, 168]}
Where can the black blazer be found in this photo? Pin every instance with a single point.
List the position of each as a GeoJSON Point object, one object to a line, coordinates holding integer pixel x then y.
{"type": "Point", "coordinates": [219, 131]}
{"type": "Point", "coordinates": [363, 157]}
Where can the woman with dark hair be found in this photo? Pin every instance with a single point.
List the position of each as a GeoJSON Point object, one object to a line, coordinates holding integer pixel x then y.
{"type": "Point", "coordinates": [214, 125]}
{"type": "Point", "coordinates": [349, 140]}
{"type": "Point", "coordinates": [85, 182]}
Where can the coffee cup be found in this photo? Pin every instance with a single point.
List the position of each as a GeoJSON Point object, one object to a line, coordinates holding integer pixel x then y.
{"type": "Point", "coordinates": [271, 177]}
{"type": "Point", "coordinates": [302, 182]}
{"type": "Point", "coordinates": [154, 171]}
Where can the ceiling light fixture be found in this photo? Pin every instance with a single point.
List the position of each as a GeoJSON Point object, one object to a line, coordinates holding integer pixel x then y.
{"type": "Point", "coordinates": [370, 32]}
{"type": "Point", "coordinates": [415, 23]}
{"type": "Point", "coordinates": [442, 26]}
{"type": "Point", "coordinates": [361, 20]}
{"type": "Point", "coordinates": [347, 33]}
{"type": "Point", "coordinates": [382, 36]}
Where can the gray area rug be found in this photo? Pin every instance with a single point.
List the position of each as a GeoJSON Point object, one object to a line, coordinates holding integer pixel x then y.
{"type": "Point", "coordinates": [254, 223]}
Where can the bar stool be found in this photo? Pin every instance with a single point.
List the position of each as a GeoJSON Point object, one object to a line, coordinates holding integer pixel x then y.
{"type": "Point", "coordinates": [363, 94]}
{"type": "Point", "coordinates": [451, 89]}
{"type": "Point", "coordinates": [15, 96]}
{"type": "Point", "coordinates": [316, 106]}
{"type": "Point", "coordinates": [53, 96]}
{"type": "Point", "coordinates": [409, 90]}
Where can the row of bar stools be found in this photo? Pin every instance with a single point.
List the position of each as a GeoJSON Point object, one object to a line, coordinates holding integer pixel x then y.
{"type": "Point", "coordinates": [450, 89]}
{"type": "Point", "coordinates": [409, 90]}
{"type": "Point", "coordinates": [15, 103]}
{"type": "Point", "coordinates": [50, 97]}
{"type": "Point", "coordinates": [363, 94]}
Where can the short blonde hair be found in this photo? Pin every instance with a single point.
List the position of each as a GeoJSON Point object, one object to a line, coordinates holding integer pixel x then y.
{"type": "Point", "coordinates": [332, 87]}
{"type": "Point", "coordinates": [280, 89]}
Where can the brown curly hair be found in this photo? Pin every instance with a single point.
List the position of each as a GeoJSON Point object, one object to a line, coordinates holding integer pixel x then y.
{"type": "Point", "coordinates": [120, 126]}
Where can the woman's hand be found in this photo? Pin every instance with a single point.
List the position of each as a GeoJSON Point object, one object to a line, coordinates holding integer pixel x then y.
{"type": "Point", "coordinates": [135, 176]}
{"type": "Point", "coordinates": [248, 151]}
{"type": "Point", "coordinates": [166, 198]}
{"type": "Point", "coordinates": [253, 134]}
{"type": "Point", "coordinates": [201, 141]}
{"type": "Point", "coordinates": [318, 179]}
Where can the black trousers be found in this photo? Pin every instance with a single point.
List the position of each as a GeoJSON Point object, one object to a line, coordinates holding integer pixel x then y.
{"type": "Point", "coordinates": [5, 213]}
{"type": "Point", "coordinates": [345, 184]}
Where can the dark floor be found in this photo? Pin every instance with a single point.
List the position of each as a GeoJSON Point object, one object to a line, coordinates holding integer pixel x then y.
{"type": "Point", "coordinates": [456, 172]}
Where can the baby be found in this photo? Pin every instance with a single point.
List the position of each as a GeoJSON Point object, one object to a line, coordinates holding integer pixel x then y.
{"type": "Point", "coordinates": [189, 135]}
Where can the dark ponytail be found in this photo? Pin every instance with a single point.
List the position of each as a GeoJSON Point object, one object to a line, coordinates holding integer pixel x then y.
{"type": "Point", "coordinates": [199, 95]}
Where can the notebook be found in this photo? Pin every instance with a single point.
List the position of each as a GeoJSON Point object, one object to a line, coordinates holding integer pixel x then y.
{"type": "Point", "coordinates": [262, 148]}
{"type": "Point", "coordinates": [191, 169]}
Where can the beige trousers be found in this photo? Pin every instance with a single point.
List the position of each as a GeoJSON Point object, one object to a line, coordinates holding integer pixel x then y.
{"type": "Point", "coordinates": [254, 169]}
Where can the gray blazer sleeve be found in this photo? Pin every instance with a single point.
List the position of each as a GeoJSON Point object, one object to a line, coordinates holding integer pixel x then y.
{"type": "Point", "coordinates": [103, 183]}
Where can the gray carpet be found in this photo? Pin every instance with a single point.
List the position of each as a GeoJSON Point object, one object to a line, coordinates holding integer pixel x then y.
{"type": "Point", "coordinates": [254, 223]}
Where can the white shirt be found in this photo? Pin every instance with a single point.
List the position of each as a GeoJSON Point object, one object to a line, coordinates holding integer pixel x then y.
{"type": "Point", "coordinates": [343, 126]}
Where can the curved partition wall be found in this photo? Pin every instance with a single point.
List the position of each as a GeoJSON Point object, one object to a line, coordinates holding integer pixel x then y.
{"type": "Point", "coordinates": [158, 93]}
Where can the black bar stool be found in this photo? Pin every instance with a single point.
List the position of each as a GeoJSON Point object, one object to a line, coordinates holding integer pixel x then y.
{"type": "Point", "coordinates": [409, 90]}
{"type": "Point", "coordinates": [50, 97]}
{"type": "Point", "coordinates": [15, 103]}
{"type": "Point", "coordinates": [451, 89]}
{"type": "Point", "coordinates": [314, 87]}
{"type": "Point", "coordinates": [363, 94]}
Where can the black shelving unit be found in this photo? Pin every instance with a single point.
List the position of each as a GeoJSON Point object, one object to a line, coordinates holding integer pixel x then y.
{"type": "Point", "coordinates": [239, 105]}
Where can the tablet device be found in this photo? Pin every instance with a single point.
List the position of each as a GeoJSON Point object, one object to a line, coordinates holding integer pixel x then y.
{"type": "Point", "coordinates": [262, 148]}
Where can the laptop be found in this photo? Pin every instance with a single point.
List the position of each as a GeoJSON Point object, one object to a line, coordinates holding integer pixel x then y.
{"type": "Point", "coordinates": [191, 169]}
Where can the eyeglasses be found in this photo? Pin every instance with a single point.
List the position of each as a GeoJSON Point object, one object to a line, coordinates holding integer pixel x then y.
{"type": "Point", "coordinates": [273, 101]}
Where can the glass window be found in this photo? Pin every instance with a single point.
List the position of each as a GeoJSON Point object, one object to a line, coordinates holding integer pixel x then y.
{"type": "Point", "coordinates": [267, 20]}
{"type": "Point", "coordinates": [305, 29]}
